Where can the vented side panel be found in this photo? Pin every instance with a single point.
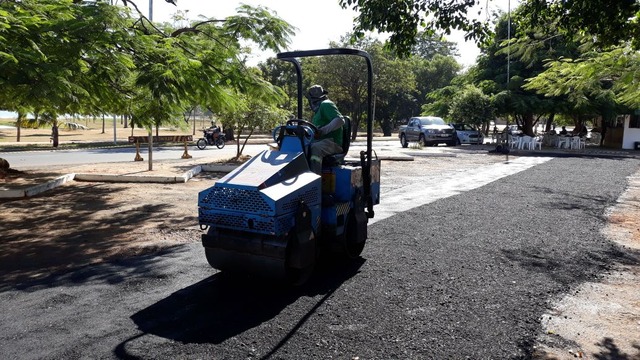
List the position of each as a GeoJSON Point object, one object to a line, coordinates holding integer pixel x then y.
{"type": "Point", "coordinates": [234, 199]}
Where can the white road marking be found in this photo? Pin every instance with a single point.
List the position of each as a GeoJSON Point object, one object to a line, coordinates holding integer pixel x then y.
{"type": "Point", "coordinates": [411, 196]}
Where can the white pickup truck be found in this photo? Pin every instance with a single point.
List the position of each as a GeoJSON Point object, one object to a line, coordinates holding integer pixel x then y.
{"type": "Point", "coordinates": [428, 131]}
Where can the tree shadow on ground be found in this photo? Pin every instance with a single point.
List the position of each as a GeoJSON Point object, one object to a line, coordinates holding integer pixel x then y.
{"type": "Point", "coordinates": [72, 226]}
{"type": "Point", "coordinates": [223, 306]}
{"type": "Point", "coordinates": [609, 350]}
{"type": "Point", "coordinates": [22, 179]}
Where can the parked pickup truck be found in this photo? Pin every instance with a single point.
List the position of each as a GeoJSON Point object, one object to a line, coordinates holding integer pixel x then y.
{"type": "Point", "coordinates": [428, 131]}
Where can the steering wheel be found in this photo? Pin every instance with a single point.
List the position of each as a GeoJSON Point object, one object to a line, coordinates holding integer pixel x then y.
{"type": "Point", "coordinates": [301, 122]}
{"type": "Point", "coordinates": [309, 129]}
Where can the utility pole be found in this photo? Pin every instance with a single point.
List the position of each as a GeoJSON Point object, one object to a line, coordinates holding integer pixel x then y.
{"type": "Point", "coordinates": [508, 57]}
{"type": "Point", "coordinates": [150, 131]}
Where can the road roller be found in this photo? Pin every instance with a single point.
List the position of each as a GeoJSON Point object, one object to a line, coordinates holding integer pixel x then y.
{"type": "Point", "coordinates": [273, 217]}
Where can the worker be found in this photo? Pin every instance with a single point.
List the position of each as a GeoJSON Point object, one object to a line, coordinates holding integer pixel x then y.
{"type": "Point", "coordinates": [329, 121]}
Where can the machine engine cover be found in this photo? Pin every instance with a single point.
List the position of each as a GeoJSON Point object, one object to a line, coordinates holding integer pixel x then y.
{"type": "Point", "coordinates": [262, 195]}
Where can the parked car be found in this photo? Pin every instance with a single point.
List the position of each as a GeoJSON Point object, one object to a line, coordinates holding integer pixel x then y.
{"type": "Point", "coordinates": [468, 134]}
{"type": "Point", "coordinates": [428, 131]}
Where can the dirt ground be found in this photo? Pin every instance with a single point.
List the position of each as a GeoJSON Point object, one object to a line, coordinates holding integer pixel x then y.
{"type": "Point", "coordinates": [607, 309]}
{"type": "Point", "coordinates": [82, 223]}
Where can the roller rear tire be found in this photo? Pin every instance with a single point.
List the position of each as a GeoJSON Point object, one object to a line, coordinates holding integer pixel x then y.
{"type": "Point", "coordinates": [354, 244]}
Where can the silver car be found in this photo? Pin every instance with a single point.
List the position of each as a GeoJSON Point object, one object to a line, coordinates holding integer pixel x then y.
{"type": "Point", "coordinates": [428, 131]}
{"type": "Point", "coordinates": [468, 134]}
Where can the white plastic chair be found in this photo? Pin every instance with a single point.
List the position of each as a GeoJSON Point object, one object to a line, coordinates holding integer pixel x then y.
{"type": "Point", "coordinates": [563, 142]}
{"type": "Point", "coordinates": [514, 141]}
{"type": "Point", "coordinates": [525, 141]}
{"type": "Point", "coordinates": [577, 142]}
{"type": "Point", "coordinates": [536, 141]}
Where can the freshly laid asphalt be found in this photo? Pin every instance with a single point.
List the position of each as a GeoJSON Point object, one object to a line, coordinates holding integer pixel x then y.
{"type": "Point", "coordinates": [465, 276]}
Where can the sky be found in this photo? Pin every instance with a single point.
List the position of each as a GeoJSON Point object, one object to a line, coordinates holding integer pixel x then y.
{"type": "Point", "coordinates": [317, 23]}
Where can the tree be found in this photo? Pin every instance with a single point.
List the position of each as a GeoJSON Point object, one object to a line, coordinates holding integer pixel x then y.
{"type": "Point", "coordinates": [504, 66]}
{"type": "Point", "coordinates": [395, 87]}
{"type": "Point", "coordinates": [57, 57]}
{"type": "Point", "coordinates": [283, 75]}
{"type": "Point", "coordinates": [175, 64]}
{"type": "Point", "coordinates": [68, 57]}
{"type": "Point", "coordinates": [439, 101]}
{"type": "Point", "coordinates": [601, 83]}
{"type": "Point", "coordinates": [599, 78]}
{"type": "Point", "coordinates": [429, 45]}
{"type": "Point", "coordinates": [472, 106]}
{"type": "Point", "coordinates": [252, 113]}
{"type": "Point", "coordinates": [403, 18]}
{"type": "Point", "coordinates": [345, 77]}
{"type": "Point", "coordinates": [605, 21]}
{"type": "Point", "coordinates": [397, 93]}
{"type": "Point", "coordinates": [434, 74]}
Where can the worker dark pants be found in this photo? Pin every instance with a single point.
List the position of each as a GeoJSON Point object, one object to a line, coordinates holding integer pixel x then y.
{"type": "Point", "coordinates": [320, 149]}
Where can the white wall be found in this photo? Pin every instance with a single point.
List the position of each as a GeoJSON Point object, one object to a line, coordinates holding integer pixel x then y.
{"type": "Point", "coordinates": [630, 135]}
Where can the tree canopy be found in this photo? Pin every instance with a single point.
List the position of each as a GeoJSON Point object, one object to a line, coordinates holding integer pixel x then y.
{"type": "Point", "coordinates": [68, 56]}
{"type": "Point", "coordinates": [608, 22]}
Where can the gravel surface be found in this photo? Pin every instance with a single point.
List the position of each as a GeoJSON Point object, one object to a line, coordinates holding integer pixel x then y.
{"type": "Point", "coordinates": [465, 276]}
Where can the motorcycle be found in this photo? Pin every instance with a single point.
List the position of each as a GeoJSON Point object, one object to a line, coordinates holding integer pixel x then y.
{"type": "Point", "coordinates": [211, 137]}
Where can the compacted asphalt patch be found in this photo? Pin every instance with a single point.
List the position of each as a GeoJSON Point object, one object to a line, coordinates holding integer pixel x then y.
{"type": "Point", "coordinates": [468, 275]}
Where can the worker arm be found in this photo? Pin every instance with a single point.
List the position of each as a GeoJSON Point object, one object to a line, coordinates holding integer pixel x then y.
{"type": "Point", "coordinates": [334, 124]}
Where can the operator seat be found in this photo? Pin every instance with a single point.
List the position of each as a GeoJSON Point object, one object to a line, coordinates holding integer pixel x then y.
{"type": "Point", "coordinates": [338, 159]}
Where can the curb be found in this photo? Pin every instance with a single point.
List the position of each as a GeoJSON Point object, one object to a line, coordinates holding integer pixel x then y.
{"type": "Point", "coordinates": [37, 189]}
{"type": "Point", "coordinates": [112, 178]}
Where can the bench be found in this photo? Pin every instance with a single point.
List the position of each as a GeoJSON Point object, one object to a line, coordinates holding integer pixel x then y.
{"type": "Point", "coordinates": [161, 139]}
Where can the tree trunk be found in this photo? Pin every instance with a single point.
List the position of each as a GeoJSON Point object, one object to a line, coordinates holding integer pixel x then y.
{"type": "Point", "coordinates": [54, 135]}
{"type": "Point", "coordinates": [19, 120]}
{"type": "Point", "coordinates": [549, 122]}
{"type": "Point", "coordinates": [527, 124]}
{"type": "Point", "coordinates": [386, 127]}
{"type": "Point", "coordinates": [229, 134]}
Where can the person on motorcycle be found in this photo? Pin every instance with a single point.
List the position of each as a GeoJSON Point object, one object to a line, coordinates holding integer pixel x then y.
{"type": "Point", "coordinates": [329, 121]}
{"type": "Point", "coordinates": [212, 133]}
{"type": "Point", "coordinates": [213, 128]}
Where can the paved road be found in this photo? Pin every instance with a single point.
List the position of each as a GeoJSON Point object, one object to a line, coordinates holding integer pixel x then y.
{"type": "Point", "coordinates": [37, 159]}
{"type": "Point", "coordinates": [21, 160]}
{"type": "Point", "coordinates": [465, 275]}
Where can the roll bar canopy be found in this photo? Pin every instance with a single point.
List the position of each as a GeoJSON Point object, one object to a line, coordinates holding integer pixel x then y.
{"type": "Point", "coordinates": [293, 56]}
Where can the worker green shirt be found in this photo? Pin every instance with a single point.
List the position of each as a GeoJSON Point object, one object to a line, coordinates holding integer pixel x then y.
{"type": "Point", "coordinates": [327, 112]}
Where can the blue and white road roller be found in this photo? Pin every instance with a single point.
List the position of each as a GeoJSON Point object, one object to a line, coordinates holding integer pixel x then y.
{"type": "Point", "coordinates": [274, 217]}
